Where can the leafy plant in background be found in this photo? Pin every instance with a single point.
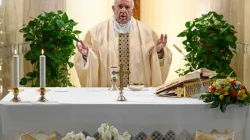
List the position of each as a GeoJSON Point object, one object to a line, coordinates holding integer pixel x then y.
{"type": "Point", "coordinates": [210, 43]}
{"type": "Point", "coordinates": [52, 32]}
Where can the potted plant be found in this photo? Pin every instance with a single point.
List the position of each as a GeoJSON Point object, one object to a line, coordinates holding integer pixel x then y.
{"type": "Point", "coordinates": [210, 43]}
{"type": "Point", "coordinates": [52, 32]}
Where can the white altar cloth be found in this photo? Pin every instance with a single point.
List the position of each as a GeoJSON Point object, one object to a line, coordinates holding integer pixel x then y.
{"type": "Point", "coordinates": [85, 109]}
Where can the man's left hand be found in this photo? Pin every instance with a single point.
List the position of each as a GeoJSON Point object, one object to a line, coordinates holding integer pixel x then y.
{"type": "Point", "coordinates": [161, 43]}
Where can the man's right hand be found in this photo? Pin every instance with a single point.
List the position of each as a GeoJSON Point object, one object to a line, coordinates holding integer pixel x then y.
{"type": "Point", "coordinates": [82, 48]}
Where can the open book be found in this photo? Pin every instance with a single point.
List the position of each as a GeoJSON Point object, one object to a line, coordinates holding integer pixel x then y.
{"type": "Point", "coordinates": [169, 87]}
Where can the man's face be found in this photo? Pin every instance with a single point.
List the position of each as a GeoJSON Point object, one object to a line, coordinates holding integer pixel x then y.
{"type": "Point", "coordinates": [123, 10]}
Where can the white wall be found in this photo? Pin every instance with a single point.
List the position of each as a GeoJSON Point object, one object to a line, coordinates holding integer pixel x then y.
{"type": "Point", "coordinates": [89, 12]}
{"type": "Point", "coordinates": [169, 16]}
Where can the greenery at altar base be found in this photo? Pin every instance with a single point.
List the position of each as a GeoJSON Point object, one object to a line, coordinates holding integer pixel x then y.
{"type": "Point", "coordinates": [224, 92]}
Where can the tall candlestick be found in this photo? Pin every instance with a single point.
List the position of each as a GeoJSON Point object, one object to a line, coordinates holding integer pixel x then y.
{"type": "Point", "coordinates": [16, 70]}
{"type": "Point", "coordinates": [42, 71]}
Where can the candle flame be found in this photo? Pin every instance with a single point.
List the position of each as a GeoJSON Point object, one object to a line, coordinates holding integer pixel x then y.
{"type": "Point", "coordinates": [15, 51]}
{"type": "Point", "coordinates": [42, 51]}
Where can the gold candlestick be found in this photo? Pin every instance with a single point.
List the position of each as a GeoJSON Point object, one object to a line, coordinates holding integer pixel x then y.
{"type": "Point", "coordinates": [42, 92]}
{"type": "Point", "coordinates": [121, 73]}
{"type": "Point", "coordinates": [15, 92]}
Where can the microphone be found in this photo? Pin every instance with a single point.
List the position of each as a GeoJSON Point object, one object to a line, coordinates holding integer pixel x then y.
{"type": "Point", "coordinates": [202, 88]}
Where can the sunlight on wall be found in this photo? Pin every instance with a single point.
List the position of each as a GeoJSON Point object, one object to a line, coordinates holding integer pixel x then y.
{"type": "Point", "coordinates": [89, 12]}
{"type": "Point", "coordinates": [169, 16]}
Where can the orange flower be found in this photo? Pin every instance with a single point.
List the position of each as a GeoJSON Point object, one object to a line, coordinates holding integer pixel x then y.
{"type": "Point", "coordinates": [212, 88]}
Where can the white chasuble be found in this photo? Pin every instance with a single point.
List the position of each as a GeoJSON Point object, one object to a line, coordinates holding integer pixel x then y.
{"type": "Point", "coordinates": [144, 65]}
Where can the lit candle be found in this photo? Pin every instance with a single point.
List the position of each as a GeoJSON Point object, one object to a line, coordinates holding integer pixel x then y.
{"type": "Point", "coordinates": [42, 71]}
{"type": "Point", "coordinates": [16, 70]}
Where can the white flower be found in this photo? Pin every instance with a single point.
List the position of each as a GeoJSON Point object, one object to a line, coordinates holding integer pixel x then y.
{"type": "Point", "coordinates": [114, 131]}
{"type": "Point", "coordinates": [69, 136]}
{"type": "Point", "coordinates": [106, 135]}
{"type": "Point", "coordinates": [126, 136]}
{"type": "Point", "coordinates": [90, 138]}
{"type": "Point", "coordinates": [118, 137]}
{"type": "Point", "coordinates": [80, 136]}
{"type": "Point", "coordinates": [238, 83]}
{"type": "Point", "coordinates": [99, 130]}
{"type": "Point", "coordinates": [104, 127]}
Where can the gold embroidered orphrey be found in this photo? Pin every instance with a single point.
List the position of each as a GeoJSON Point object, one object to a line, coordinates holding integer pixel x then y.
{"type": "Point", "coordinates": [124, 56]}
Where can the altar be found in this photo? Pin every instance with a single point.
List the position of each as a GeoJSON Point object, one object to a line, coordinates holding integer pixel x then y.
{"type": "Point", "coordinates": [85, 109]}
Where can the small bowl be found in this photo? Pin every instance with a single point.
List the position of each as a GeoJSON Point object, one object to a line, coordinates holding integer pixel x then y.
{"type": "Point", "coordinates": [136, 87]}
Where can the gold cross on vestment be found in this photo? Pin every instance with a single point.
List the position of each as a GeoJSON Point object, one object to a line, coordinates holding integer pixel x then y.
{"type": "Point", "coordinates": [121, 73]}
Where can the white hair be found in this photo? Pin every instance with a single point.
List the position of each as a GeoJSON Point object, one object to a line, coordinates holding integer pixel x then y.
{"type": "Point", "coordinates": [133, 2]}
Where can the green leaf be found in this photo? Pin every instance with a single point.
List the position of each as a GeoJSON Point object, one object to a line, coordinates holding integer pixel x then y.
{"type": "Point", "coordinates": [51, 56]}
{"type": "Point", "coordinates": [187, 24]}
{"type": "Point", "coordinates": [223, 106]}
{"type": "Point", "coordinates": [70, 64]}
{"type": "Point", "coordinates": [76, 39]}
{"type": "Point", "coordinates": [60, 23]}
{"type": "Point", "coordinates": [72, 22]}
{"type": "Point", "coordinates": [49, 44]}
{"type": "Point", "coordinates": [59, 12]}
{"type": "Point", "coordinates": [224, 30]}
{"type": "Point", "coordinates": [230, 39]}
{"type": "Point", "coordinates": [215, 104]}
{"type": "Point", "coordinates": [182, 34]}
{"type": "Point", "coordinates": [32, 23]}
{"type": "Point", "coordinates": [29, 36]}
{"type": "Point", "coordinates": [23, 81]}
{"type": "Point", "coordinates": [218, 17]}
{"type": "Point", "coordinates": [31, 74]}
{"type": "Point", "coordinates": [47, 29]}
{"type": "Point", "coordinates": [25, 30]}
{"type": "Point", "coordinates": [65, 17]}
{"type": "Point", "coordinates": [77, 32]}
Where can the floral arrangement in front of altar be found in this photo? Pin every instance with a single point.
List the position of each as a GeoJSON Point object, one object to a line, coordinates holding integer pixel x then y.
{"type": "Point", "coordinates": [227, 91]}
{"type": "Point", "coordinates": [79, 136]}
{"type": "Point", "coordinates": [111, 133]}
{"type": "Point", "coordinates": [105, 131]}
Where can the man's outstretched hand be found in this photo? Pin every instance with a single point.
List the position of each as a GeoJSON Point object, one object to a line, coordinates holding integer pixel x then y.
{"type": "Point", "coordinates": [82, 48]}
{"type": "Point", "coordinates": [161, 43]}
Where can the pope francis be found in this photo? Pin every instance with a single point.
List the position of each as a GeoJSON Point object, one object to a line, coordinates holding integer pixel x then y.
{"type": "Point", "coordinates": [123, 40]}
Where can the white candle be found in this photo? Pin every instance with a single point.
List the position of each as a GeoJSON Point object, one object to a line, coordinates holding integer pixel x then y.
{"type": "Point", "coordinates": [42, 71]}
{"type": "Point", "coordinates": [16, 70]}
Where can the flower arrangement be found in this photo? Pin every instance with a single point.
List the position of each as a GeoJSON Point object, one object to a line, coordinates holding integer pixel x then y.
{"type": "Point", "coordinates": [79, 136]}
{"type": "Point", "coordinates": [105, 131]}
{"type": "Point", "coordinates": [111, 133]}
{"type": "Point", "coordinates": [227, 91]}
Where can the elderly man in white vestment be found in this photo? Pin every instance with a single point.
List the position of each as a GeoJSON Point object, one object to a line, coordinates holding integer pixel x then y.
{"type": "Point", "coordinates": [123, 40]}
